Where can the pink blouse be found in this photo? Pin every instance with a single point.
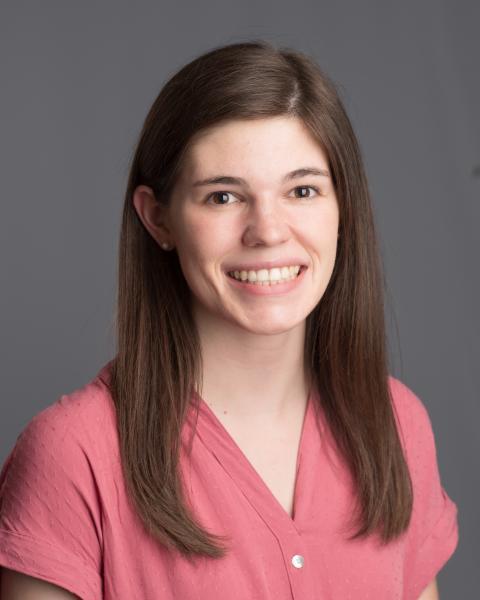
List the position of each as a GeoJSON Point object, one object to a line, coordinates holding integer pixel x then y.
{"type": "Point", "coordinates": [65, 516]}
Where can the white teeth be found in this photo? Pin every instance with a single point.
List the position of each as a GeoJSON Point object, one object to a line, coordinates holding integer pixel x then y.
{"type": "Point", "coordinates": [267, 276]}
{"type": "Point", "coordinates": [262, 275]}
{"type": "Point", "coordinates": [275, 274]}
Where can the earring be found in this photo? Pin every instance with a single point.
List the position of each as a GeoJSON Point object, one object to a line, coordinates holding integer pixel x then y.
{"type": "Point", "coordinates": [165, 246]}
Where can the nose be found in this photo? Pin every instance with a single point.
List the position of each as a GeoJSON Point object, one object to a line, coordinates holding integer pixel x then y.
{"type": "Point", "coordinates": [266, 225]}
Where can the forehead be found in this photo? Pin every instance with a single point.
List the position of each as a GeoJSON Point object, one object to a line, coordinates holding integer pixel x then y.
{"type": "Point", "coordinates": [271, 146]}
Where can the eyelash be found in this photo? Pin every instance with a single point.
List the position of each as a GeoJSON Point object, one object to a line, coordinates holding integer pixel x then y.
{"type": "Point", "coordinates": [298, 187]}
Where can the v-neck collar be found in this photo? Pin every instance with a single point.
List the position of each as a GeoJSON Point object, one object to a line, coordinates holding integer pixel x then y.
{"type": "Point", "coordinates": [221, 444]}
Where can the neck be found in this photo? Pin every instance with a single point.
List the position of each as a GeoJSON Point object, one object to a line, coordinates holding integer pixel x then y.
{"type": "Point", "coordinates": [252, 376]}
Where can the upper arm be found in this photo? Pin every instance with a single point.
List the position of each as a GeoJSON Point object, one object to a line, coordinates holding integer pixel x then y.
{"type": "Point", "coordinates": [432, 535]}
{"type": "Point", "coordinates": [430, 592]}
{"type": "Point", "coordinates": [50, 511]}
{"type": "Point", "coordinates": [18, 586]}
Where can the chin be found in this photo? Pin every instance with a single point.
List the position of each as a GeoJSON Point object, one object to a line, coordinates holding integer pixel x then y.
{"type": "Point", "coordinates": [270, 328]}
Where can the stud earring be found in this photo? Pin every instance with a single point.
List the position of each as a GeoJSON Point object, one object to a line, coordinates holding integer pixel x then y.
{"type": "Point", "coordinates": [165, 246]}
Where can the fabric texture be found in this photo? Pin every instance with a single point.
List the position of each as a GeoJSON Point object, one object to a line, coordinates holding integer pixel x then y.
{"type": "Point", "coordinates": [65, 516]}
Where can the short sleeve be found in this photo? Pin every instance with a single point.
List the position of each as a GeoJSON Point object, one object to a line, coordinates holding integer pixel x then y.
{"type": "Point", "coordinates": [433, 532]}
{"type": "Point", "coordinates": [50, 517]}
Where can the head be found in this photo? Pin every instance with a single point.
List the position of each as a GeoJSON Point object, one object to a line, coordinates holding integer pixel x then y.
{"type": "Point", "coordinates": [258, 114]}
{"type": "Point", "coordinates": [279, 211]}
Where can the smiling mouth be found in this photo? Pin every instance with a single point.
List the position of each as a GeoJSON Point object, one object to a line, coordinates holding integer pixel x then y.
{"type": "Point", "coordinates": [268, 276]}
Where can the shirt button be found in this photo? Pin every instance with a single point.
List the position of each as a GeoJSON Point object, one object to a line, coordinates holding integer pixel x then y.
{"type": "Point", "coordinates": [298, 561]}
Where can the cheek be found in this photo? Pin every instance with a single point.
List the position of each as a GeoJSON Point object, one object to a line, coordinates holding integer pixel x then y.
{"type": "Point", "coordinates": [201, 245]}
{"type": "Point", "coordinates": [204, 239]}
{"type": "Point", "coordinates": [321, 229]}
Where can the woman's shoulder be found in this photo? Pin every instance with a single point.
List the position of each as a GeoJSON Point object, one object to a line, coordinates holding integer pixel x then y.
{"type": "Point", "coordinates": [76, 425]}
{"type": "Point", "coordinates": [83, 410]}
{"type": "Point", "coordinates": [404, 398]}
{"type": "Point", "coordinates": [411, 413]}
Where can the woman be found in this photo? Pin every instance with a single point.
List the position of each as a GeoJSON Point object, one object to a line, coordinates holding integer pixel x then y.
{"type": "Point", "coordinates": [246, 441]}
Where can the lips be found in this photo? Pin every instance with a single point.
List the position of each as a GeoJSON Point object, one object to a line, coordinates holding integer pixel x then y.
{"type": "Point", "coordinates": [274, 275]}
{"type": "Point", "coordinates": [270, 287]}
{"type": "Point", "coordinates": [267, 264]}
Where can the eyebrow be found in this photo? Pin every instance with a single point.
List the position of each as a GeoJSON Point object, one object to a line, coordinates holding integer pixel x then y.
{"type": "Point", "coordinates": [229, 180]}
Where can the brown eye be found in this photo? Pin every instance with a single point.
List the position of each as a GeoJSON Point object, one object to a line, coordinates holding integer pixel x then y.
{"type": "Point", "coordinates": [304, 188]}
{"type": "Point", "coordinates": [223, 196]}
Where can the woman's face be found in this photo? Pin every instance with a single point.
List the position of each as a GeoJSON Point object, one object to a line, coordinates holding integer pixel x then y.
{"type": "Point", "coordinates": [264, 214]}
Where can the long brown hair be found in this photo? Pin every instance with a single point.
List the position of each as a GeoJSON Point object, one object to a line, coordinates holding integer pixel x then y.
{"type": "Point", "coordinates": [158, 362]}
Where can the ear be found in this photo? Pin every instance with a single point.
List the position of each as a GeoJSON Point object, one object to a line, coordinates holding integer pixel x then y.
{"type": "Point", "coordinates": [153, 214]}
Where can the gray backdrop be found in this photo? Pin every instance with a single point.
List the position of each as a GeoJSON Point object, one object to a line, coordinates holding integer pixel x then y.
{"type": "Point", "coordinates": [77, 79]}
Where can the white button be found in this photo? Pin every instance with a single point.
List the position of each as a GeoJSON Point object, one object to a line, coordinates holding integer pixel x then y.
{"type": "Point", "coordinates": [298, 561]}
